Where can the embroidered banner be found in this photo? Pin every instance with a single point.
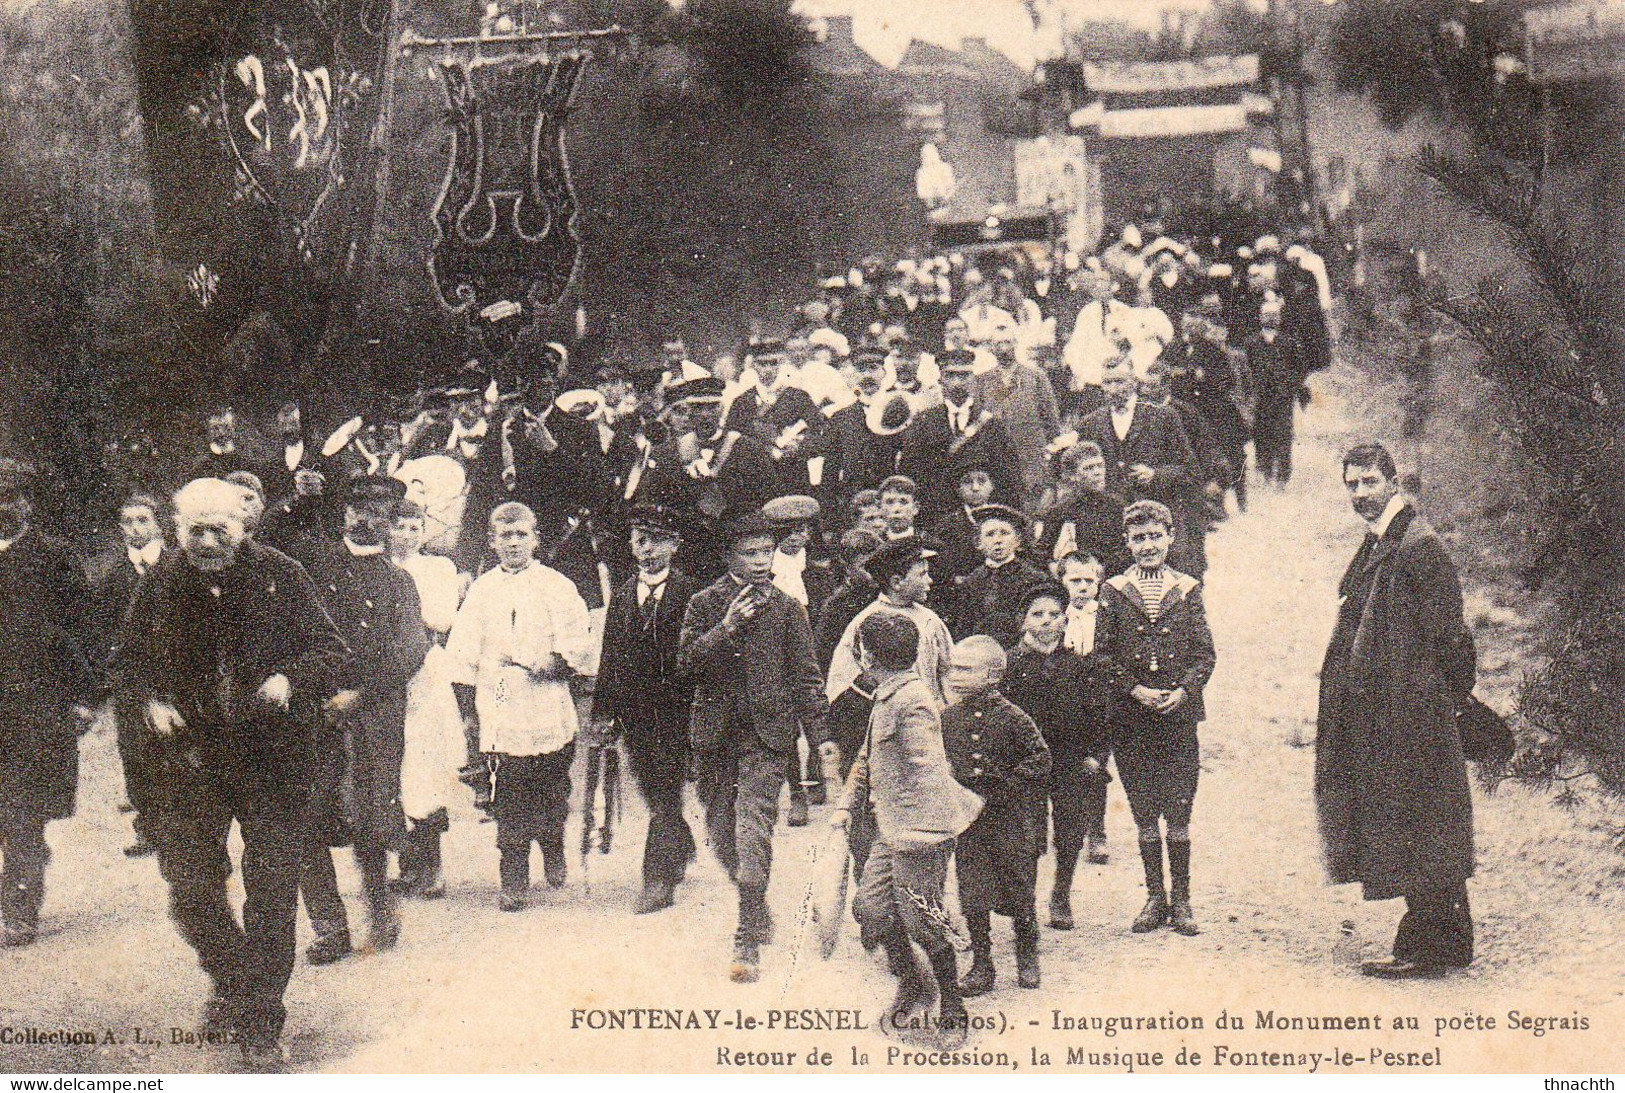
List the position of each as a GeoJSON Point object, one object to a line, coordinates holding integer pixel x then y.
{"type": "Point", "coordinates": [505, 220]}
{"type": "Point", "coordinates": [259, 118]}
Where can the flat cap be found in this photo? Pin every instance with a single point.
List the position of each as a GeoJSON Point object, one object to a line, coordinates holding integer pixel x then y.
{"type": "Point", "coordinates": [655, 519]}
{"type": "Point", "coordinates": [896, 558]}
{"type": "Point", "coordinates": [795, 508]}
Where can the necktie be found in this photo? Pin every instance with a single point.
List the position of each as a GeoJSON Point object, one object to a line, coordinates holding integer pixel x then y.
{"type": "Point", "coordinates": [650, 604]}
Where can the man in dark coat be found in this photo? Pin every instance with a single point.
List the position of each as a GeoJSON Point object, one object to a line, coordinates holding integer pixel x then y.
{"type": "Point", "coordinates": [229, 652]}
{"type": "Point", "coordinates": [375, 605]}
{"type": "Point", "coordinates": [113, 575]}
{"type": "Point", "coordinates": [641, 695]}
{"type": "Point", "coordinates": [748, 648]}
{"type": "Point", "coordinates": [553, 465]}
{"type": "Point", "coordinates": [856, 456]}
{"type": "Point", "coordinates": [224, 454]}
{"type": "Point", "coordinates": [943, 442]}
{"type": "Point", "coordinates": [296, 481]}
{"type": "Point", "coordinates": [1390, 781]}
{"type": "Point", "coordinates": [1149, 457]}
{"type": "Point", "coordinates": [46, 685]}
{"type": "Point", "coordinates": [1278, 370]}
{"type": "Point", "coordinates": [783, 417]}
{"type": "Point", "coordinates": [712, 474]}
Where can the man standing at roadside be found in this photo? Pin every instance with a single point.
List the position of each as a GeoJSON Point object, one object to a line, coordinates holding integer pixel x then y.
{"type": "Point", "coordinates": [1390, 780]}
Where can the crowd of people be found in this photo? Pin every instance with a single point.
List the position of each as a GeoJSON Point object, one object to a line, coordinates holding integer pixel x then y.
{"type": "Point", "coordinates": [932, 559]}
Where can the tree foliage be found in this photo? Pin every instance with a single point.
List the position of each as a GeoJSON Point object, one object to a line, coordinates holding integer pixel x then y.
{"type": "Point", "coordinates": [1549, 336]}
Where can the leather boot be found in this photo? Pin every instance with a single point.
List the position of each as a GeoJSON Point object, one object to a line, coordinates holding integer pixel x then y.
{"type": "Point", "coordinates": [1180, 916]}
{"type": "Point", "coordinates": [912, 989]}
{"type": "Point", "coordinates": [746, 966]}
{"type": "Point", "coordinates": [329, 948]}
{"type": "Point", "coordinates": [817, 792]}
{"type": "Point", "coordinates": [981, 977]}
{"type": "Point", "coordinates": [952, 1021]}
{"type": "Point", "coordinates": [1155, 912]}
{"type": "Point", "coordinates": [433, 883]}
{"type": "Point", "coordinates": [1060, 898]}
{"type": "Point", "coordinates": [1027, 953]}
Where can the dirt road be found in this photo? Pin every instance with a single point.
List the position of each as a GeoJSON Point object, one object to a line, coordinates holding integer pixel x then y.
{"type": "Point", "coordinates": [471, 989]}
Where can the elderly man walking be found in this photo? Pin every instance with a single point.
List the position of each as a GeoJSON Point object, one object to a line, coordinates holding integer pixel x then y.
{"type": "Point", "coordinates": [1390, 780]}
{"type": "Point", "coordinates": [229, 653]}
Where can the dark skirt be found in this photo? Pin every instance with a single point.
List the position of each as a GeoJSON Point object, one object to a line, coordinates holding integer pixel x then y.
{"type": "Point", "coordinates": [996, 858]}
{"type": "Point", "coordinates": [1074, 793]}
{"type": "Point", "coordinates": [532, 798]}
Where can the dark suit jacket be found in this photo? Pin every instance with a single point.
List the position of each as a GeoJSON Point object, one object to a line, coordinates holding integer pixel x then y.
{"type": "Point", "coordinates": [292, 523]}
{"type": "Point", "coordinates": [989, 601]}
{"type": "Point", "coordinates": [639, 682]}
{"type": "Point", "coordinates": [1097, 525]}
{"type": "Point", "coordinates": [208, 654]}
{"type": "Point", "coordinates": [855, 458]}
{"type": "Point", "coordinates": [375, 606]}
{"type": "Point", "coordinates": [112, 580]}
{"type": "Point", "coordinates": [762, 675]}
{"type": "Point", "coordinates": [559, 486]}
{"type": "Point", "coordinates": [1155, 438]}
{"type": "Point", "coordinates": [935, 461]}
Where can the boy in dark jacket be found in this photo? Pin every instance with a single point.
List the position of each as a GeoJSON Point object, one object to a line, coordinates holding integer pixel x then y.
{"type": "Point", "coordinates": [641, 696]}
{"type": "Point", "coordinates": [989, 600]}
{"type": "Point", "coordinates": [748, 649]}
{"type": "Point", "coordinates": [1153, 628]}
{"type": "Point", "coordinates": [997, 752]}
{"type": "Point", "coordinates": [1064, 694]}
{"type": "Point", "coordinates": [845, 730]}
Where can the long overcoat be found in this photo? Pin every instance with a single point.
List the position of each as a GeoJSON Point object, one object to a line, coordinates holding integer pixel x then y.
{"type": "Point", "coordinates": [43, 671]}
{"type": "Point", "coordinates": [1391, 787]}
{"type": "Point", "coordinates": [375, 606]}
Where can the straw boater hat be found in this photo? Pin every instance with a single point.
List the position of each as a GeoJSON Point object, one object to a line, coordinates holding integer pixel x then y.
{"type": "Point", "coordinates": [890, 413]}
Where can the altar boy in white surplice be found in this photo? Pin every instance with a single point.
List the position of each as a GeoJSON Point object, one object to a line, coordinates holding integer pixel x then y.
{"type": "Point", "coordinates": [520, 637]}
